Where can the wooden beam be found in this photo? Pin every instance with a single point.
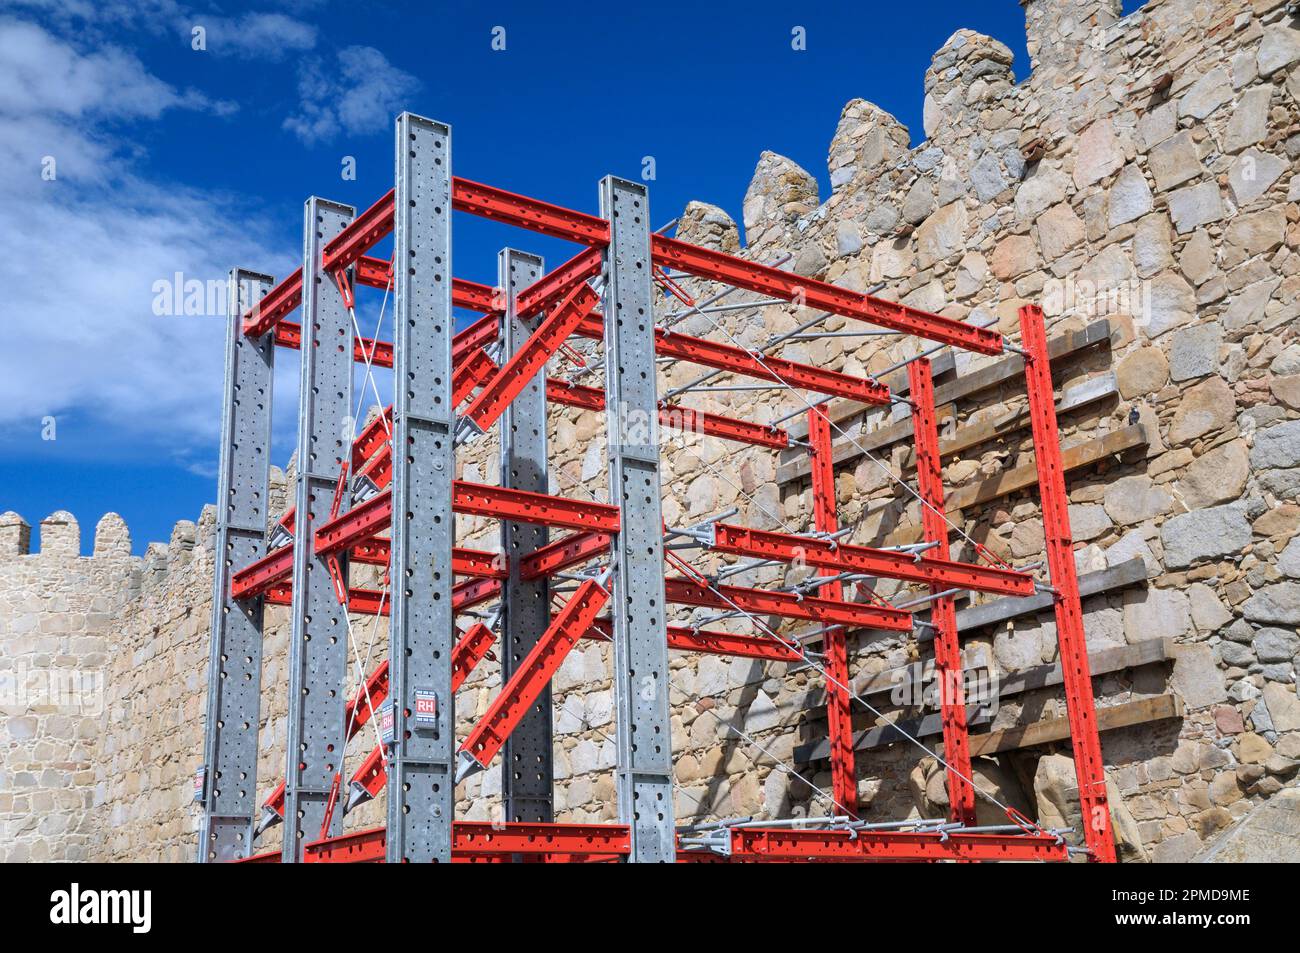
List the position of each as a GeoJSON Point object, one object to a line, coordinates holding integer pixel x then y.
{"type": "Point", "coordinates": [1101, 662]}
{"type": "Point", "coordinates": [967, 385]}
{"type": "Point", "coordinates": [1010, 481]}
{"type": "Point", "coordinates": [1140, 712]}
{"type": "Point", "coordinates": [1128, 573]}
{"type": "Point", "coordinates": [964, 438]}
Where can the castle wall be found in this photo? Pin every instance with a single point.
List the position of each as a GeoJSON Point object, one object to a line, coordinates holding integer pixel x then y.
{"type": "Point", "coordinates": [1142, 176]}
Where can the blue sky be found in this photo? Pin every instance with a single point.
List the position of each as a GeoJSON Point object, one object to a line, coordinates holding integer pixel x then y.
{"type": "Point", "coordinates": [168, 159]}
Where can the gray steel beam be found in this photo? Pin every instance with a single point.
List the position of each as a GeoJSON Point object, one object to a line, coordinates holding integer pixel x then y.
{"type": "Point", "coordinates": [318, 644]}
{"type": "Point", "coordinates": [235, 664]}
{"type": "Point", "coordinates": [645, 769]}
{"type": "Point", "coordinates": [421, 793]}
{"type": "Point", "coordinates": [526, 762]}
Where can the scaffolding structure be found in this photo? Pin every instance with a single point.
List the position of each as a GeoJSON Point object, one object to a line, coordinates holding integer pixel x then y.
{"type": "Point", "coordinates": [388, 498]}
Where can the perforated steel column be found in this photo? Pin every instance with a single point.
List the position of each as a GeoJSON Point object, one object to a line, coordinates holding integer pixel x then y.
{"type": "Point", "coordinates": [318, 643]}
{"type": "Point", "coordinates": [235, 664]}
{"type": "Point", "coordinates": [645, 766]}
{"type": "Point", "coordinates": [526, 759]}
{"type": "Point", "coordinates": [420, 788]}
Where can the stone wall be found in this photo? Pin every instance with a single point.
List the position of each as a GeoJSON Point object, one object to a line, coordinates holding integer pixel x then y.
{"type": "Point", "coordinates": [1140, 176]}
{"type": "Point", "coordinates": [60, 615]}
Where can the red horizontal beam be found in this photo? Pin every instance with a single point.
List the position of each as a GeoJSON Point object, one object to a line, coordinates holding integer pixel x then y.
{"type": "Point", "coordinates": [533, 214]}
{"type": "Point", "coordinates": [471, 840]}
{"type": "Point", "coordinates": [288, 334]}
{"type": "Point", "coordinates": [820, 295]}
{"type": "Point", "coordinates": [780, 844]}
{"type": "Point", "coordinates": [281, 300]}
{"type": "Point", "coordinates": [482, 839]}
{"type": "Point", "coordinates": [727, 357]}
{"type": "Point", "coordinates": [686, 639]}
{"type": "Point", "coordinates": [464, 595]}
{"type": "Point", "coordinates": [676, 417]}
{"type": "Point", "coordinates": [373, 516]}
{"type": "Point", "coordinates": [845, 557]}
{"type": "Point", "coordinates": [683, 591]}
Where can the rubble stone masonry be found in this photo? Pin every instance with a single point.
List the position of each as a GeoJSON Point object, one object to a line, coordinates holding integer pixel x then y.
{"type": "Point", "coordinates": [1138, 182]}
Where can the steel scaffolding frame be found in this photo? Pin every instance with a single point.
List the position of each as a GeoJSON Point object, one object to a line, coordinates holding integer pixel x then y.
{"type": "Point", "coordinates": [450, 388]}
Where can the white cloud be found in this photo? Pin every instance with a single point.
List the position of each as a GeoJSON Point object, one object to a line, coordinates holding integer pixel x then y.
{"type": "Point", "coordinates": [260, 36]}
{"type": "Point", "coordinates": [361, 95]}
{"type": "Point", "coordinates": [79, 255]}
{"type": "Point", "coordinates": [263, 35]}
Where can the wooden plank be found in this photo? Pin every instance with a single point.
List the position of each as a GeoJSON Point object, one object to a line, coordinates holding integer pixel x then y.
{"type": "Point", "coordinates": [847, 451]}
{"type": "Point", "coordinates": [1101, 662]}
{"type": "Point", "coordinates": [1140, 712]}
{"type": "Point", "coordinates": [1010, 481]}
{"type": "Point", "coordinates": [968, 384]}
{"type": "Point", "coordinates": [1128, 573]}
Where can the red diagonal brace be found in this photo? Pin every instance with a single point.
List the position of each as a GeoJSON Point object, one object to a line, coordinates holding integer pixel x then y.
{"type": "Point", "coordinates": [526, 362]}
{"type": "Point", "coordinates": [549, 289]}
{"type": "Point", "coordinates": [369, 779]}
{"type": "Point", "coordinates": [532, 675]}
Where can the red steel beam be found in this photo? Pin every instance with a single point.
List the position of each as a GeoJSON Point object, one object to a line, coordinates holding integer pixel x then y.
{"type": "Point", "coordinates": [362, 234]}
{"type": "Point", "coordinates": [819, 295]}
{"type": "Point", "coordinates": [839, 716]}
{"type": "Point", "coordinates": [369, 779]}
{"type": "Point", "coordinates": [1080, 707]}
{"type": "Point", "coordinates": [562, 553]}
{"type": "Point", "coordinates": [289, 335]}
{"type": "Point", "coordinates": [688, 592]}
{"type": "Point", "coordinates": [483, 839]}
{"type": "Point", "coordinates": [686, 639]}
{"type": "Point", "coordinates": [533, 674]}
{"type": "Point", "coordinates": [943, 613]}
{"type": "Point", "coordinates": [728, 357]}
{"type": "Point", "coordinates": [846, 557]}
{"type": "Point", "coordinates": [676, 417]}
{"type": "Point", "coordinates": [548, 219]}
{"type": "Point", "coordinates": [464, 595]}
{"type": "Point", "coordinates": [533, 214]}
{"type": "Point", "coordinates": [524, 364]}
{"type": "Point", "coordinates": [550, 289]}
{"type": "Point", "coordinates": [781, 844]}
{"type": "Point", "coordinates": [484, 331]}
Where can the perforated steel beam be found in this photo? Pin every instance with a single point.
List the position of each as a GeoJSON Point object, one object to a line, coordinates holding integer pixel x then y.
{"type": "Point", "coordinates": [319, 636]}
{"type": "Point", "coordinates": [1080, 707]}
{"type": "Point", "coordinates": [235, 665]}
{"type": "Point", "coordinates": [839, 714]}
{"type": "Point", "coordinates": [943, 613]}
{"type": "Point", "coordinates": [645, 769]}
{"type": "Point", "coordinates": [421, 794]}
{"type": "Point", "coordinates": [526, 759]}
